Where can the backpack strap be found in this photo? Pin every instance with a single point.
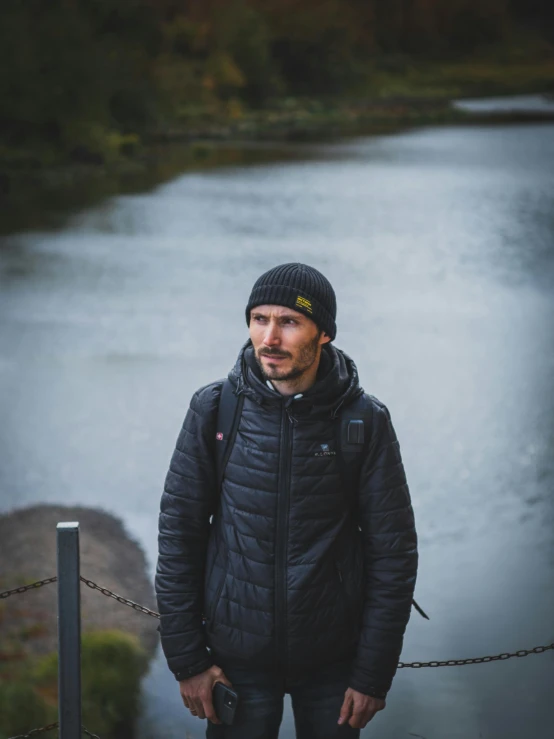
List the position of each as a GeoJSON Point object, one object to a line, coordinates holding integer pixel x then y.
{"type": "Point", "coordinates": [353, 433]}
{"type": "Point", "coordinates": [353, 436]}
{"type": "Point", "coordinates": [228, 417]}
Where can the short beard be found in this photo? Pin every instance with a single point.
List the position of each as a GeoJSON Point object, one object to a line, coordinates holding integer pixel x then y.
{"type": "Point", "coordinates": [305, 360]}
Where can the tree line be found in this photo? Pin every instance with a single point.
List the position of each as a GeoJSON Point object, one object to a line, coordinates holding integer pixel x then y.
{"type": "Point", "coordinates": [74, 73]}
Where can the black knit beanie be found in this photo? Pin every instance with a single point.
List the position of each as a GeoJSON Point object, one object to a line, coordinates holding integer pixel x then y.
{"type": "Point", "coordinates": [300, 287]}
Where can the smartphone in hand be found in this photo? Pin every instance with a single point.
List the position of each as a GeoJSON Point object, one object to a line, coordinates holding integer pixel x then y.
{"type": "Point", "coordinates": [225, 703]}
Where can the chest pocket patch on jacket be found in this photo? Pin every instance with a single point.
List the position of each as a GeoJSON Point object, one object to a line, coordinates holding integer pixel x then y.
{"type": "Point", "coordinates": [324, 450]}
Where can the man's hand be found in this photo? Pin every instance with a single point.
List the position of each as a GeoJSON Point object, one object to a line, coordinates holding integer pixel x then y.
{"type": "Point", "coordinates": [358, 709]}
{"type": "Point", "coordinates": [196, 692]}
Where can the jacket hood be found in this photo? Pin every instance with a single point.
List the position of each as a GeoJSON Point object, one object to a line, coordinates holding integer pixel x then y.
{"type": "Point", "coordinates": [337, 382]}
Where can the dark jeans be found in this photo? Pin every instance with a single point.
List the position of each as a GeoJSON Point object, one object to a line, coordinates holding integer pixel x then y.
{"type": "Point", "coordinates": [316, 702]}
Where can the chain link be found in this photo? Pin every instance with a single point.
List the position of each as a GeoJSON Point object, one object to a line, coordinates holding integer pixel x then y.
{"type": "Point", "coordinates": [24, 588]}
{"type": "Point", "coordinates": [120, 599]}
{"type": "Point", "coordinates": [88, 733]}
{"type": "Point", "coordinates": [90, 584]}
{"type": "Point", "coordinates": [142, 609]}
{"type": "Point", "coordinates": [477, 660]}
{"type": "Point", "coordinates": [51, 727]}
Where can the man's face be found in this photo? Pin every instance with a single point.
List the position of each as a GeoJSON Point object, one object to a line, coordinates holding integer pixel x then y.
{"type": "Point", "coordinates": [286, 343]}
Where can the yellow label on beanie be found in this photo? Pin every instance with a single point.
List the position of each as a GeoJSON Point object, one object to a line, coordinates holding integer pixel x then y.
{"type": "Point", "coordinates": [303, 303]}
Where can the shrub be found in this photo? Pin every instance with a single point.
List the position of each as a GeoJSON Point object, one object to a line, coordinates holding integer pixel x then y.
{"type": "Point", "coordinates": [112, 665]}
{"type": "Point", "coordinates": [21, 707]}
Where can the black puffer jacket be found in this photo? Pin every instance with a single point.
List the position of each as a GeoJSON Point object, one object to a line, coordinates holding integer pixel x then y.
{"type": "Point", "coordinates": [285, 576]}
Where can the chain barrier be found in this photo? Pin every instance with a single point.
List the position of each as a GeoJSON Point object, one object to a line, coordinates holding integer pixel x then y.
{"type": "Point", "coordinates": [90, 584]}
{"type": "Point", "coordinates": [477, 660]}
{"type": "Point", "coordinates": [155, 614]}
{"type": "Point", "coordinates": [24, 588]}
{"type": "Point", "coordinates": [88, 733]}
{"type": "Point", "coordinates": [119, 598]}
{"type": "Point", "coordinates": [51, 727]}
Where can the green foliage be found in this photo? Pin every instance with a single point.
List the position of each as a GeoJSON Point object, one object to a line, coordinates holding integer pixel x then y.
{"type": "Point", "coordinates": [21, 708]}
{"type": "Point", "coordinates": [65, 74]}
{"type": "Point", "coordinates": [112, 665]}
{"type": "Point", "coordinates": [242, 32]}
{"type": "Point", "coordinates": [111, 669]}
{"type": "Point", "coordinates": [222, 74]}
{"type": "Point", "coordinates": [89, 80]}
{"type": "Point", "coordinates": [317, 45]}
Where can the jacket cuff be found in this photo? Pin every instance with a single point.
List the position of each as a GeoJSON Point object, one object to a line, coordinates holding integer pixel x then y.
{"type": "Point", "coordinates": [205, 663]}
{"type": "Point", "coordinates": [375, 691]}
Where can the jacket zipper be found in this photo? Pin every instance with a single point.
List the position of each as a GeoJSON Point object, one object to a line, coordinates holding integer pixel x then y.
{"type": "Point", "coordinates": [281, 540]}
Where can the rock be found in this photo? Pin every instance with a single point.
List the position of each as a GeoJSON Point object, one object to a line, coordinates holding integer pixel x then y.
{"type": "Point", "coordinates": [109, 557]}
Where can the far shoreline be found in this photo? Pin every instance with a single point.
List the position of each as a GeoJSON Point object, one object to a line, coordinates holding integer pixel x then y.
{"type": "Point", "coordinates": [35, 197]}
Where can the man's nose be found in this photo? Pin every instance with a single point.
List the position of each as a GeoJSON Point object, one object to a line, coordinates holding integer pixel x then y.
{"type": "Point", "coordinates": [272, 335]}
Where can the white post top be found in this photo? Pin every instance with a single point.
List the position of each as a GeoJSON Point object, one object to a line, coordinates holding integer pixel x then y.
{"type": "Point", "coordinates": [68, 525]}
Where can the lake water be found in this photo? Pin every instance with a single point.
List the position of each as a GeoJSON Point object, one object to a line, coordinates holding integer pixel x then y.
{"type": "Point", "coordinates": [440, 246]}
{"type": "Point", "coordinates": [502, 105]}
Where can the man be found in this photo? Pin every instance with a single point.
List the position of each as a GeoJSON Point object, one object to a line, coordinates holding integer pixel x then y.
{"type": "Point", "coordinates": [301, 591]}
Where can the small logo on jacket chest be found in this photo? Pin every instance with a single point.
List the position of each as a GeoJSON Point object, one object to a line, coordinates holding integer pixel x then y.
{"type": "Point", "coordinates": [325, 451]}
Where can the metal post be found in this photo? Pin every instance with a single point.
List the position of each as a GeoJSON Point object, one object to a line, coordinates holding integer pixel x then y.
{"type": "Point", "coordinates": [69, 631]}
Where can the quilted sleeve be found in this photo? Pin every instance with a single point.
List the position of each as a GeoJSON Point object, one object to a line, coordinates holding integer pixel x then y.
{"type": "Point", "coordinates": [188, 501]}
{"type": "Point", "coordinates": [390, 554]}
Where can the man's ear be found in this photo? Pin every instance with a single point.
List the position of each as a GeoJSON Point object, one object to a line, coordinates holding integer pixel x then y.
{"type": "Point", "coordinates": [325, 338]}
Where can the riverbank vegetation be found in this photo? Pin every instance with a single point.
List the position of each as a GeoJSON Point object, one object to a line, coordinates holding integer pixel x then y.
{"type": "Point", "coordinates": [95, 80]}
{"type": "Point", "coordinates": [117, 643]}
{"type": "Point", "coordinates": [94, 91]}
{"type": "Point", "coordinates": [112, 666]}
